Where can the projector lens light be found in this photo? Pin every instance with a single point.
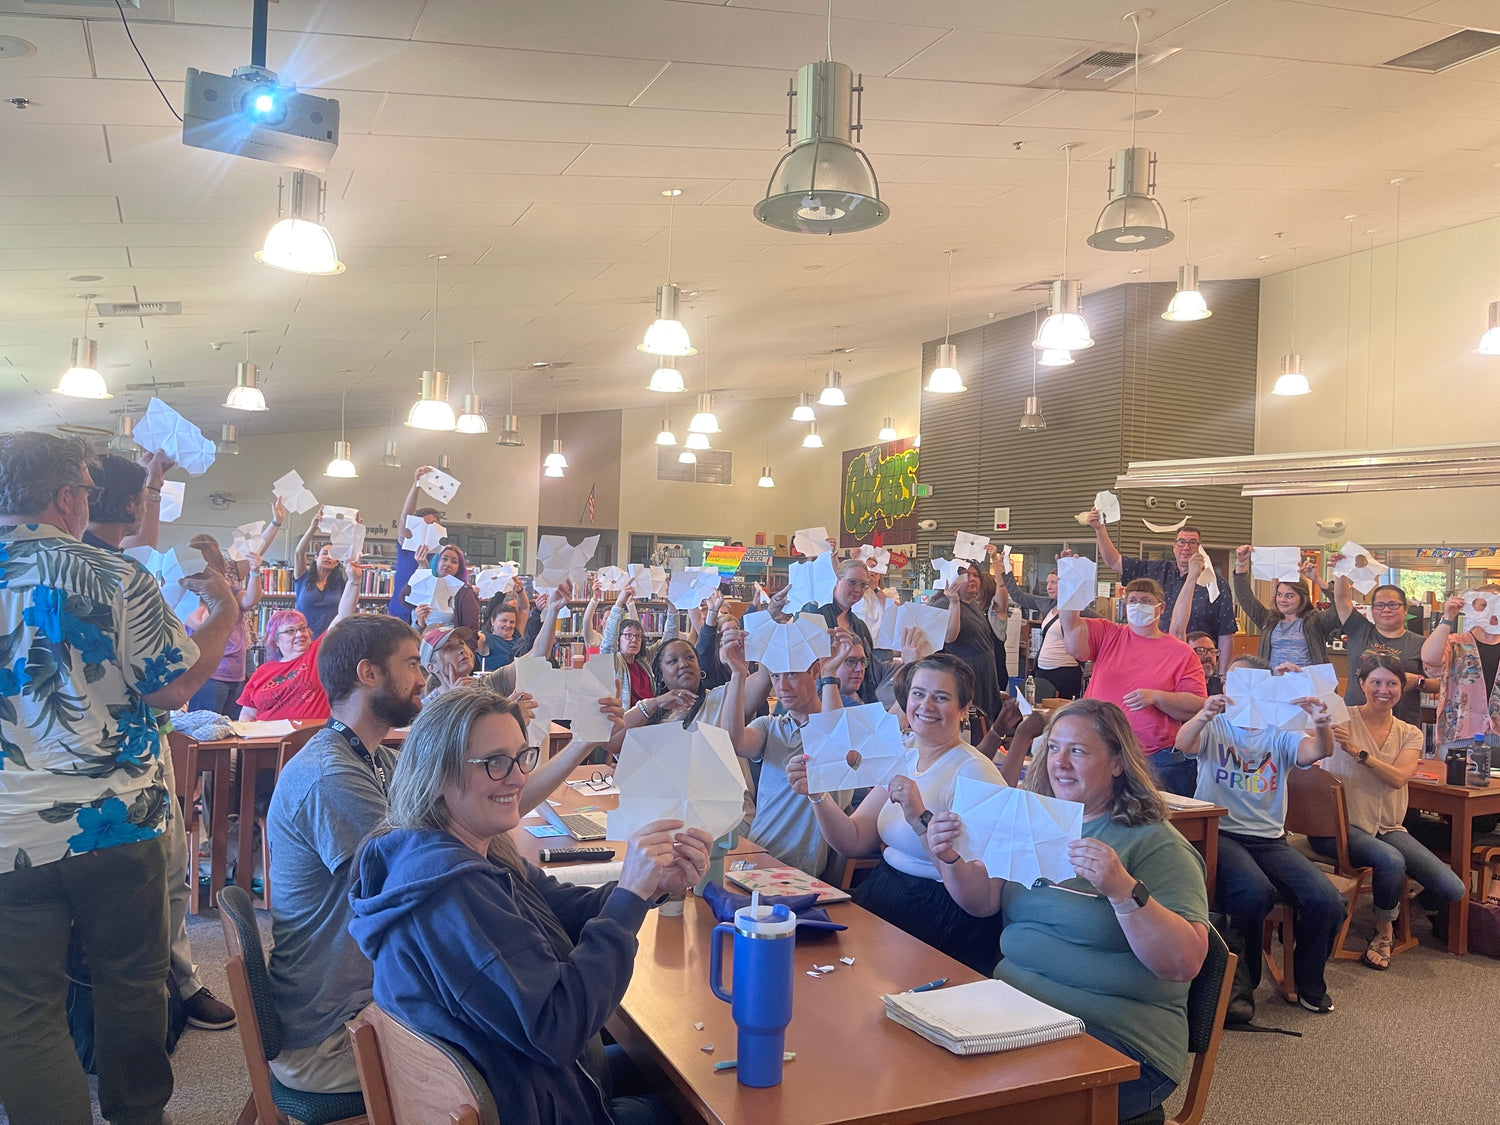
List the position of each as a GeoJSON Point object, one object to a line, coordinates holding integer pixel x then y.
{"type": "Point", "coordinates": [264, 105]}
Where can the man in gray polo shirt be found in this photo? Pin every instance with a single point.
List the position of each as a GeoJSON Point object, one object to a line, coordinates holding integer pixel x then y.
{"type": "Point", "coordinates": [327, 800]}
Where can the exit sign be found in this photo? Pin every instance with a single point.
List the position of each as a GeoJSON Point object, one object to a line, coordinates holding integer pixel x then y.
{"type": "Point", "coordinates": [924, 491]}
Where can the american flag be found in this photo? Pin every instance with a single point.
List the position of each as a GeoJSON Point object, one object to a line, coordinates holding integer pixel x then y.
{"type": "Point", "coordinates": [588, 505]}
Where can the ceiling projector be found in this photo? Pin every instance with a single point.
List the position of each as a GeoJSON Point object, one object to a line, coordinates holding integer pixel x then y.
{"type": "Point", "coordinates": [249, 113]}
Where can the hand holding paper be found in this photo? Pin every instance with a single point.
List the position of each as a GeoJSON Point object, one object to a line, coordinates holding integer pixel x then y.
{"type": "Point", "coordinates": [791, 647]}
{"type": "Point", "coordinates": [811, 541]}
{"type": "Point", "coordinates": [424, 534]}
{"type": "Point", "coordinates": [1276, 564]}
{"type": "Point", "coordinates": [692, 585]}
{"type": "Point", "coordinates": [291, 491]}
{"type": "Point", "coordinates": [1019, 835]}
{"type": "Point", "coordinates": [163, 428]}
{"type": "Point", "coordinates": [666, 772]}
{"type": "Point", "coordinates": [492, 580]}
{"type": "Point", "coordinates": [568, 693]}
{"type": "Point", "coordinates": [811, 583]}
{"type": "Point", "coordinates": [1358, 565]}
{"type": "Point", "coordinates": [433, 589]}
{"type": "Point", "coordinates": [931, 620]}
{"type": "Point", "coordinates": [851, 747]}
{"type": "Point", "coordinates": [1109, 506]}
{"type": "Point", "coordinates": [947, 571]}
{"type": "Point", "coordinates": [173, 492]}
{"type": "Point", "coordinates": [347, 538]}
{"type": "Point", "coordinates": [558, 560]}
{"type": "Point", "coordinates": [1077, 580]}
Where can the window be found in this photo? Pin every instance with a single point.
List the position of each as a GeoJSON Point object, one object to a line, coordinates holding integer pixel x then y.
{"type": "Point", "coordinates": [714, 466]}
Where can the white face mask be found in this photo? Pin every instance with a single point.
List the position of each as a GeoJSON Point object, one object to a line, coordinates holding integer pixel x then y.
{"type": "Point", "coordinates": [1140, 615]}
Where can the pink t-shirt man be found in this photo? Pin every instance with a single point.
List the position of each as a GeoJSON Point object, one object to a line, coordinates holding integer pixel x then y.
{"type": "Point", "coordinates": [1125, 662]}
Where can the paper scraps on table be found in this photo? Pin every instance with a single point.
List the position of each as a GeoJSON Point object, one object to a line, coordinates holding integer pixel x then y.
{"type": "Point", "coordinates": [811, 582]}
{"type": "Point", "coordinates": [1261, 701]}
{"type": "Point", "coordinates": [970, 546]}
{"type": "Point", "coordinates": [1482, 608]}
{"type": "Point", "coordinates": [811, 541]}
{"type": "Point", "coordinates": [439, 485]}
{"type": "Point", "coordinates": [163, 428]}
{"type": "Point", "coordinates": [876, 559]}
{"type": "Point", "coordinates": [692, 585]}
{"type": "Point", "coordinates": [1360, 566]}
{"type": "Point", "coordinates": [792, 647]}
{"type": "Point", "coordinates": [172, 494]}
{"type": "Point", "coordinates": [491, 580]}
{"type": "Point", "coordinates": [1017, 834]}
{"type": "Point", "coordinates": [1276, 564]}
{"type": "Point", "coordinates": [668, 773]}
{"type": "Point", "coordinates": [436, 590]}
{"type": "Point", "coordinates": [423, 534]}
{"type": "Point", "coordinates": [851, 748]}
{"type": "Point", "coordinates": [1165, 528]}
{"type": "Point", "coordinates": [947, 572]}
{"type": "Point", "coordinates": [568, 693]}
{"type": "Point", "coordinates": [1108, 505]}
{"type": "Point", "coordinates": [247, 538]}
{"type": "Point", "coordinates": [293, 492]}
{"type": "Point", "coordinates": [332, 512]}
{"type": "Point", "coordinates": [1207, 577]}
{"type": "Point", "coordinates": [347, 538]}
{"type": "Point", "coordinates": [558, 561]}
{"type": "Point", "coordinates": [1077, 582]}
{"type": "Point", "coordinates": [169, 568]}
{"type": "Point", "coordinates": [931, 620]}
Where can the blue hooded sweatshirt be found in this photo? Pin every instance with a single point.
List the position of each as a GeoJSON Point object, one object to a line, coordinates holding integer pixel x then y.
{"type": "Point", "coordinates": [521, 973]}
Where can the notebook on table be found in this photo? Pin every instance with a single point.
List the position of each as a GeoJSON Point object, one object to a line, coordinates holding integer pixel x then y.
{"type": "Point", "coordinates": [980, 1018]}
{"type": "Point", "coordinates": [786, 881]}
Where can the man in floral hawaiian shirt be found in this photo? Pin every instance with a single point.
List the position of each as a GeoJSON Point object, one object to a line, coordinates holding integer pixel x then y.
{"type": "Point", "coordinates": [87, 649]}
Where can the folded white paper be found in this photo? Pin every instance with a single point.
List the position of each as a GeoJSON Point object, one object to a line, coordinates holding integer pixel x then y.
{"type": "Point", "coordinates": [438, 484]}
{"type": "Point", "coordinates": [811, 541]}
{"type": "Point", "coordinates": [424, 534]}
{"type": "Point", "coordinates": [1019, 835]}
{"type": "Point", "coordinates": [1482, 608]}
{"type": "Point", "coordinates": [1260, 700]}
{"type": "Point", "coordinates": [568, 693]}
{"type": "Point", "coordinates": [247, 538]}
{"type": "Point", "coordinates": [611, 578]}
{"type": "Point", "coordinates": [1077, 582]}
{"type": "Point", "coordinates": [1358, 565]}
{"type": "Point", "coordinates": [169, 568]}
{"type": "Point", "coordinates": [1276, 564]}
{"type": "Point", "coordinates": [172, 494]}
{"type": "Point", "coordinates": [648, 581]}
{"type": "Point", "coordinates": [690, 586]}
{"type": "Point", "coordinates": [1207, 578]}
{"type": "Point", "coordinates": [332, 512]}
{"type": "Point", "coordinates": [491, 580]}
{"type": "Point", "coordinates": [666, 772]}
{"type": "Point", "coordinates": [294, 493]}
{"type": "Point", "coordinates": [558, 560]}
{"type": "Point", "coordinates": [851, 748]}
{"type": "Point", "coordinates": [1109, 506]}
{"type": "Point", "coordinates": [971, 547]}
{"type": "Point", "coordinates": [163, 428]}
{"type": "Point", "coordinates": [871, 609]}
{"type": "Point", "coordinates": [347, 538]}
{"type": "Point", "coordinates": [792, 647]}
{"type": "Point", "coordinates": [436, 590]}
{"type": "Point", "coordinates": [947, 572]}
{"type": "Point", "coordinates": [876, 559]}
{"type": "Point", "coordinates": [811, 582]}
{"type": "Point", "coordinates": [932, 620]}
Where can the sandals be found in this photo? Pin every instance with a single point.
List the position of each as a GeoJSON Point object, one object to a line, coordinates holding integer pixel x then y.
{"type": "Point", "coordinates": [1378, 954]}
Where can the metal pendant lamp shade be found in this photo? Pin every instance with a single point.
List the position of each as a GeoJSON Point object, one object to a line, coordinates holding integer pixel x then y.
{"type": "Point", "coordinates": [766, 479]}
{"type": "Point", "coordinates": [887, 429]}
{"type": "Point", "coordinates": [342, 465]}
{"type": "Point", "coordinates": [432, 411]}
{"type": "Point", "coordinates": [667, 336]}
{"type": "Point", "coordinates": [705, 421]}
{"type": "Point", "coordinates": [945, 379]}
{"type": "Point", "coordinates": [833, 390]}
{"type": "Point", "coordinates": [299, 242]}
{"type": "Point", "coordinates": [812, 440]}
{"type": "Point", "coordinates": [1031, 419]}
{"type": "Point", "coordinates": [555, 459]}
{"type": "Point", "coordinates": [1064, 329]}
{"type": "Point", "coordinates": [666, 436]}
{"type": "Point", "coordinates": [1132, 219]}
{"type": "Point", "coordinates": [471, 421]}
{"type": "Point", "coordinates": [246, 393]}
{"type": "Point", "coordinates": [666, 378]}
{"type": "Point", "coordinates": [82, 378]}
{"type": "Point", "coordinates": [695, 440]}
{"type": "Point", "coordinates": [228, 440]}
{"type": "Point", "coordinates": [824, 185]}
{"type": "Point", "coordinates": [390, 459]}
{"type": "Point", "coordinates": [1291, 381]}
{"type": "Point", "coordinates": [122, 442]}
{"type": "Point", "coordinates": [1187, 303]}
{"type": "Point", "coordinates": [1489, 343]}
{"type": "Point", "coordinates": [803, 411]}
{"type": "Point", "coordinates": [1056, 358]}
{"type": "Point", "coordinates": [687, 457]}
{"type": "Point", "coordinates": [510, 432]}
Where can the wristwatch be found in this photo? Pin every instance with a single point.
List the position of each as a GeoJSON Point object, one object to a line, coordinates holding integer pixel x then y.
{"type": "Point", "coordinates": [1364, 757]}
{"type": "Point", "coordinates": [1140, 894]}
{"type": "Point", "coordinates": [924, 820]}
{"type": "Point", "coordinates": [827, 681]}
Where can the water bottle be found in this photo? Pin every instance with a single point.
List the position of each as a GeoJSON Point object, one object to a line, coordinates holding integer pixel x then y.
{"type": "Point", "coordinates": [764, 972]}
{"type": "Point", "coordinates": [1030, 689]}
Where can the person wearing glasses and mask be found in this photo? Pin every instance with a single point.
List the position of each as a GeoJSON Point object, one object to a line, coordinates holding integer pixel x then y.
{"type": "Point", "coordinates": [1152, 675]}
{"type": "Point", "coordinates": [287, 685]}
{"type": "Point", "coordinates": [1216, 618]}
{"type": "Point", "coordinates": [470, 943]}
{"type": "Point", "coordinates": [1384, 631]}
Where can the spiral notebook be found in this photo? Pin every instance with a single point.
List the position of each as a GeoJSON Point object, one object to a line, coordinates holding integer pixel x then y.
{"type": "Point", "coordinates": [979, 1018]}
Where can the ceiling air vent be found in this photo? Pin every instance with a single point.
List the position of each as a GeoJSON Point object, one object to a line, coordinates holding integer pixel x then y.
{"type": "Point", "coordinates": [1099, 67]}
{"type": "Point", "coordinates": [1043, 286]}
{"type": "Point", "coordinates": [138, 308]}
{"type": "Point", "coordinates": [1447, 53]}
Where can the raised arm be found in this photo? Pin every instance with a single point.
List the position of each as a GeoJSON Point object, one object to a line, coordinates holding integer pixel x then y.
{"type": "Point", "coordinates": [250, 597]}
{"type": "Point", "coordinates": [591, 636]}
{"type": "Point", "coordinates": [1436, 643]}
{"type": "Point", "coordinates": [299, 554]}
{"type": "Point", "coordinates": [349, 599]}
{"type": "Point", "coordinates": [749, 741]}
{"type": "Point", "coordinates": [1182, 608]}
{"type": "Point", "coordinates": [273, 528]}
{"type": "Point", "coordinates": [1075, 635]}
{"type": "Point", "coordinates": [1343, 591]}
{"type": "Point", "coordinates": [1109, 555]}
{"type": "Point", "coordinates": [547, 634]}
{"type": "Point", "coordinates": [1244, 593]}
{"type": "Point", "coordinates": [955, 619]}
{"type": "Point", "coordinates": [210, 637]}
{"type": "Point", "coordinates": [156, 465]}
{"type": "Point", "coordinates": [609, 640]}
{"type": "Point", "coordinates": [409, 508]}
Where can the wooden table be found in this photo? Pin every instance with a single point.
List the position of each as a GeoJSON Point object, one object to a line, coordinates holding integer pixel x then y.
{"type": "Point", "coordinates": [1200, 827]}
{"type": "Point", "coordinates": [1460, 805]}
{"type": "Point", "coordinates": [216, 756]}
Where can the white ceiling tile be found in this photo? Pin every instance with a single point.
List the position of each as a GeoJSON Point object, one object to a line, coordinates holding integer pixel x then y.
{"type": "Point", "coordinates": [19, 210]}
{"type": "Point", "coordinates": [377, 154]}
{"type": "Point", "coordinates": [980, 57]}
{"type": "Point", "coordinates": [1314, 32]}
{"type": "Point", "coordinates": [61, 52]}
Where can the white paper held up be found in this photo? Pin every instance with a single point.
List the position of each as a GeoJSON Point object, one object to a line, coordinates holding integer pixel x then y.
{"type": "Point", "coordinates": [611, 578]}
{"type": "Point", "coordinates": [558, 560]}
{"type": "Point", "coordinates": [876, 559]}
{"type": "Point", "coordinates": [1109, 506]}
{"type": "Point", "coordinates": [1482, 608]}
{"type": "Point", "coordinates": [1077, 580]}
{"type": "Point", "coordinates": [932, 620]}
{"type": "Point", "coordinates": [811, 541]}
{"type": "Point", "coordinates": [1018, 835]}
{"type": "Point", "coordinates": [1207, 577]}
{"type": "Point", "coordinates": [347, 538]}
{"type": "Point", "coordinates": [666, 772]}
{"type": "Point", "coordinates": [424, 534]}
{"type": "Point", "coordinates": [791, 647]}
{"type": "Point", "coordinates": [169, 568]}
{"type": "Point", "coordinates": [567, 693]}
{"type": "Point", "coordinates": [969, 546]}
{"type": "Point", "coordinates": [851, 748]}
{"type": "Point", "coordinates": [436, 590]}
{"type": "Point", "coordinates": [1360, 566]}
{"type": "Point", "coordinates": [333, 512]}
{"type": "Point", "coordinates": [691, 585]}
{"type": "Point", "coordinates": [439, 485]}
{"type": "Point", "coordinates": [247, 537]}
{"type": "Point", "coordinates": [491, 580]}
{"type": "Point", "coordinates": [811, 582]}
{"type": "Point", "coordinates": [163, 428]}
{"type": "Point", "coordinates": [1276, 564]}
{"type": "Point", "coordinates": [291, 490]}
{"type": "Point", "coordinates": [1261, 701]}
{"type": "Point", "coordinates": [871, 609]}
{"type": "Point", "coordinates": [648, 581]}
{"type": "Point", "coordinates": [947, 571]}
{"type": "Point", "coordinates": [172, 494]}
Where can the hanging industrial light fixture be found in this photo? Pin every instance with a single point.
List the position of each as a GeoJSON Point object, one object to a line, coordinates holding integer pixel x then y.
{"type": "Point", "coordinates": [342, 465]}
{"type": "Point", "coordinates": [1132, 219]}
{"type": "Point", "coordinates": [766, 479]}
{"type": "Point", "coordinates": [945, 379]}
{"type": "Point", "coordinates": [666, 378]}
{"type": "Point", "coordinates": [666, 436]}
{"type": "Point", "coordinates": [1187, 303]}
{"type": "Point", "coordinates": [228, 440]}
{"type": "Point", "coordinates": [1489, 343]}
{"type": "Point", "coordinates": [122, 442]}
{"type": "Point", "coordinates": [299, 242]}
{"type": "Point", "coordinates": [1291, 381]}
{"type": "Point", "coordinates": [696, 440]}
{"type": "Point", "coordinates": [687, 457]}
{"type": "Point", "coordinates": [667, 336]}
{"type": "Point", "coordinates": [246, 393]}
{"type": "Point", "coordinates": [1056, 357]}
{"type": "Point", "coordinates": [390, 459]}
{"type": "Point", "coordinates": [705, 421]}
{"type": "Point", "coordinates": [824, 185]}
{"type": "Point", "coordinates": [803, 411]}
{"type": "Point", "coordinates": [833, 390]}
{"type": "Point", "coordinates": [1065, 329]}
{"type": "Point", "coordinates": [554, 463]}
{"type": "Point", "coordinates": [432, 411]}
{"type": "Point", "coordinates": [812, 440]}
{"type": "Point", "coordinates": [510, 425]}
{"type": "Point", "coordinates": [82, 378]}
{"type": "Point", "coordinates": [471, 421]}
{"type": "Point", "coordinates": [1031, 416]}
{"type": "Point", "coordinates": [887, 429]}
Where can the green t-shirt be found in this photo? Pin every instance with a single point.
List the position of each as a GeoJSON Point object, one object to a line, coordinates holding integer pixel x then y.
{"type": "Point", "coordinates": [1069, 951]}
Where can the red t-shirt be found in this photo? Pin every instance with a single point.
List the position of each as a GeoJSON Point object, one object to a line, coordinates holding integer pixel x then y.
{"type": "Point", "coordinates": [288, 689]}
{"type": "Point", "coordinates": [1125, 662]}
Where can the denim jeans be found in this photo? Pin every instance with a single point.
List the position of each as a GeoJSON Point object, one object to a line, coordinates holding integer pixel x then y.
{"type": "Point", "coordinates": [1173, 771]}
{"type": "Point", "coordinates": [1395, 856]}
{"type": "Point", "coordinates": [1139, 1094]}
{"type": "Point", "coordinates": [1253, 872]}
{"type": "Point", "coordinates": [219, 696]}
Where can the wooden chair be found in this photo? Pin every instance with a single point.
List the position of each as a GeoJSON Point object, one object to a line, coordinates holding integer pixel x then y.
{"type": "Point", "coordinates": [853, 867]}
{"type": "Point", "coordinates": [290, 745]}
{"type": "Point", "coordinates": [1315, 807]}
{"type": "Point", "coordinates": [270, 1103]}
{"type": "Point", "coordinates": [184, 751]}
{"type": "Point", "coordinates": [410, 1078]}
{"type": "Point", "coordinates": [1208, 999]}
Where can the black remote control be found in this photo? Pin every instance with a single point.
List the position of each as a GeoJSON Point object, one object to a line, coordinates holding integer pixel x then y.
{"type": "Point", "coordinates": [570, 855]}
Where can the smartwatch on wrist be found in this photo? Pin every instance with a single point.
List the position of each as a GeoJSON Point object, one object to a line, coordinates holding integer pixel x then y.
{"type": "Point", "coordinates": [924, 820]}
{"type": "Point", "coordinates": [827, 681]}
{"type": "Point", "coordinates": [1364, 757]}
{"type": "Point", "coordinates": [1140, 894]}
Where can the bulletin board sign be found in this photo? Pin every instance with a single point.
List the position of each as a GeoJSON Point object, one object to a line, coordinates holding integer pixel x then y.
{"type": "Point", "coordinates": [880, 494]}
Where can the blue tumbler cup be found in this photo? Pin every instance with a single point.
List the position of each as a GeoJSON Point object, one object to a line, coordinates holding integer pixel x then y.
{"type": "Point", "coordinates": [765, 939]}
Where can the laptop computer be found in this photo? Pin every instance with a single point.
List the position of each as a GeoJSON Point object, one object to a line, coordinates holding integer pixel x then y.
{"type": "Point", "coordinates": [579, 825]}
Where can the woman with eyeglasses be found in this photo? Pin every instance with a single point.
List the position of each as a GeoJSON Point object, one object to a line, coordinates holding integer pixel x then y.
{"type": "Point", "coordinates": [286, 685]}
{"type": "Point", "coordinates": [1295, 632]}
{"type": "Point", "coordinates": [473, 945]}
{"type": "Point", "coordinates": [624, 638]}
{"type": "Point", "coordinates": [1384, 631]}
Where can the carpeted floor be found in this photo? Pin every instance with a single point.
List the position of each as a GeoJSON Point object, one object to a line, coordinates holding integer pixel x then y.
{"type": "Point", "coordinates": [1409, 1044]}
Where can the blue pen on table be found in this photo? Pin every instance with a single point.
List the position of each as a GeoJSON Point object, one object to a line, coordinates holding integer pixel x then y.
{"type": "Point", "coordinates": [931, 985]}
{"type": "Point", "coordinates": [730, 1064]}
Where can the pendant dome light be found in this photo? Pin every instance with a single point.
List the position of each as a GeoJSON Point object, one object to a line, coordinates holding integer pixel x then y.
{"type": "Point", "coordinates": [945, 379]}
{"type": "Point", "coordinates": [122, 442]}
{"type": "Point", "coordinates": [666, 436]}
{"type": "Point", "coordinates": [510, 425]}
{"type": "Point", "coordinates": [299, 242]}
{"type": "Point", "coordinates": [471, 421]}
{"type": "Point", "coordinates": [228, 440]}
{"type": "Point", "coordinates": [432, 411]}
{"type": "Point", "coordinates": [390, 459]}
{"type": "Point", "coordinates": [1291, 382]}
{"type": "Point", "coordinates": [1065, 329]}
{"type": "Point", "coordinates": [887, 429]}
{"type": "Point", "coordinates": [766, 479]}
{"type": "Point", "coordinates": [667, 336]}
{"type": "Point", "coordinates": [1031, 417]}
{"type": "Point", "coordinates": [705, 421]}
{"type": "Point", "coordinates": [82, 378]}
{"type": "Point", "coordinates": [696, 440]}
{"type": "Point", "coordinates": [554, 463]}
{"type": "Point", "coordinates": [1056, 357]}
{"type": "Point", "coordinates": [1489, 343]}
{"type": "Point", "coordinates": [803, 411]}
{"type": "Point", "coordinates": [666, 378]}
{"type": "Point", "coordinates": [812, 440]}
{"type": "Point", "coordinates": [342, 464]}
{"type": "Point", "coordinates": [824, 185]}
{"type": "Point", "coordinates": [687, 457]}
{"type": "Point", "coordinates": [1187, 303]}
{"type": "Point", "coordinates": [1132, 219]}
{"type": "Point", "coordinates": [246, 393]}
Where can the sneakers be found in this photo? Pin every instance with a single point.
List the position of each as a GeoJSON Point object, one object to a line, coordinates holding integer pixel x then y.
{"type": "Point", "coordinates": [207, 1011]}
{"type": "Point", "coordinates": [1322, 1004]}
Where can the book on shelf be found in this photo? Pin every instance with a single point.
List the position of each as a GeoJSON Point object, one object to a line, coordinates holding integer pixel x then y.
{"type": "Point", "coordinates": [981, 1018]}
